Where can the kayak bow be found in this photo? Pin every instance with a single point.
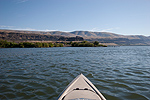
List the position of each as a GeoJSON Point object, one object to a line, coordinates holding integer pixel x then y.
{"type": "Point", "coordinates": [81, 89]}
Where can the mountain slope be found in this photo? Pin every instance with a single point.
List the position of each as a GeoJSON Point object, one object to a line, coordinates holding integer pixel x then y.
{"type": "Point", "coordinates": [88, 34]}
{"type": "Point", "coordinates": [103, 37]}
{"type": "Point", "coordinates": [34, 36]}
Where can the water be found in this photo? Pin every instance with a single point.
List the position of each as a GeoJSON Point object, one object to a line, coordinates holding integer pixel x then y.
{"type": "Point", "coordinates": [120, 73]}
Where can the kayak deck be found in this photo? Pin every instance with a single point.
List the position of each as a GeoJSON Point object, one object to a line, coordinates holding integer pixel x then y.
{"type": "Point", "coordinates": [81, 89]}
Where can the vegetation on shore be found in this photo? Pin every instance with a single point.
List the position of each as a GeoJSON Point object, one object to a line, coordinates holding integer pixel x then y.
{"type": "Point", "coordinates": [88, 44]}
{"type": "Point", "coordinates": [6, 44]}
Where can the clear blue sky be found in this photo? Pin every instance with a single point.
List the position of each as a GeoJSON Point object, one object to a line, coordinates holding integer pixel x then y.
{"type": "Point", "coordinates": [127, 17]}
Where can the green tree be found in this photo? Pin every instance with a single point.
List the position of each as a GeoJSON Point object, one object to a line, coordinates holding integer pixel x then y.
{"type": "Point", "coordinates": [3, 43]}
{"type": "Point", "coordinates": [75, 44]}
{"type": "Point", "coordinates": [61, 45]}
{"type": "Point", "coordinates": [84, 41]}
{"type": "Point", "coordinates": [28, 44]}
{"type": "Point", "coordinates": [51, 45]}
{"type": "Point", "coordinates": [96, 43]}
{"type": "Point", "coordinates": [45, 45]}
{"type": "Point", "coordinates": [38, 45]}
{"type": "Point", "coordinates": [21, 45]}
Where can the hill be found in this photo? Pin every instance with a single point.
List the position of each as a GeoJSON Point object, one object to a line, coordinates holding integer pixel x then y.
{"type": "Point", "coordinates": [102, 37]}
{"type": "Point", "coordinates": [13, 35]}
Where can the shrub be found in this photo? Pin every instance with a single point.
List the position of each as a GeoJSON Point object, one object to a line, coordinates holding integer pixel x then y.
{"type": "Point", "coordinates": [51, 44]}
{"type": "Point", "coordinates": [96, 43]}
{"type": "Point", "coordinates": [38, 45]}
{"type": "Point", "coordinates": [28, 44]}
{"type": "Point", "coordinates": [87, 44]}
{"type": "Point", "coordinates": [45, 45]}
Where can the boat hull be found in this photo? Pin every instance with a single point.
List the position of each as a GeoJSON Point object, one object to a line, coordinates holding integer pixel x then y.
{"type": "Point", "coordinates": [81, 89]}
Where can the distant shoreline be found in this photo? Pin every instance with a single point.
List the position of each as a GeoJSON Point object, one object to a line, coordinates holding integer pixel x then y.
{"type": "Point", "coordinates": [6, 44]}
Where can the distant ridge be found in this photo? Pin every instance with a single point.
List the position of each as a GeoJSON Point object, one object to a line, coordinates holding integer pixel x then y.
{"type": "Point", "coordinates": [103, 37]}
{"type": "Point", "coordinates": [13, 35]}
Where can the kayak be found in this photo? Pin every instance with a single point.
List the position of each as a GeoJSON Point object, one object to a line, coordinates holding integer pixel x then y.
{"type": "Point", "coordinates": [81, 89]}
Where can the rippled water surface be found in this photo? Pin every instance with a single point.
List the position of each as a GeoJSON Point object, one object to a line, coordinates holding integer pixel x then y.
{"type": "Point", "coordinates": [120, 73]}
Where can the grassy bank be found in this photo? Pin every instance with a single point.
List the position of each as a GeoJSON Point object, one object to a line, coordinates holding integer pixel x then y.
{"type": "Point", "coordinates": [88, 44]}
{"type": "Point", "coordinates": [6, 44]}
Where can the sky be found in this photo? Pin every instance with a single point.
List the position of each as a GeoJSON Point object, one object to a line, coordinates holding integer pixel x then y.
{"type": "Point", "coordinates": [124, 17]}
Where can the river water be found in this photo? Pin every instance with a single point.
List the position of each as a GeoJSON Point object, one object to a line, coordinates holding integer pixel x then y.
{"type": "Point", "coordinates": [119, 73]}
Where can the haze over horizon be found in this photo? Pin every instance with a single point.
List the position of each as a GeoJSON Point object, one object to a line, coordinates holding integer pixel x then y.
{"type": "Point", "coordinates": [124, 17]}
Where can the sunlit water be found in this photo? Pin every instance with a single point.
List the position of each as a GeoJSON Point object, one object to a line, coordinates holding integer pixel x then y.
{"type": "Point", "coordinates": [120, 73]}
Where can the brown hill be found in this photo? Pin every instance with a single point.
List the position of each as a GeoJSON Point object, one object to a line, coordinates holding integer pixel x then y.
{"type": "Point", "coordinates": [13, 35]}
{"type": "Point", "coordinates": [103, 37]}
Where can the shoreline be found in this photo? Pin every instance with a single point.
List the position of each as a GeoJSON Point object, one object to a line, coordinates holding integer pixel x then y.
{"type": "Point", "coordinates": [37, 44]}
